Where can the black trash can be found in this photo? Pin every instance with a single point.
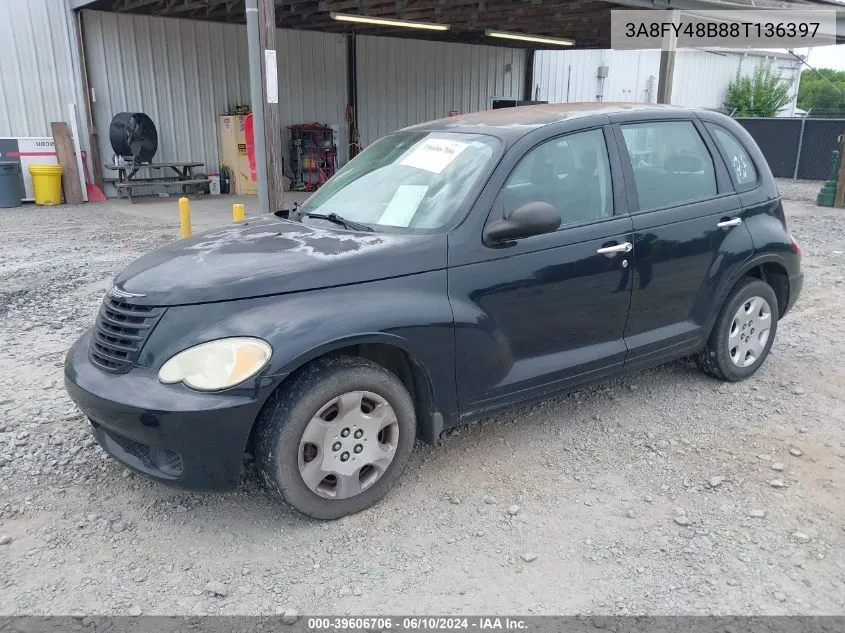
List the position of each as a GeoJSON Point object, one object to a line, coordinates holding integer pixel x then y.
{"type": "Point", "coordinates": [11, 184]}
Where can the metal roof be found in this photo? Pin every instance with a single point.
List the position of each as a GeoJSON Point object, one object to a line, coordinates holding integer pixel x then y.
{"type": "Point", "coordinates": [587, 22]}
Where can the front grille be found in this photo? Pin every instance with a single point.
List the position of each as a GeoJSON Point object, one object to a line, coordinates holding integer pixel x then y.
{"type": "Point", "coordinates": [120, 333]}
{"type": "Point", "coordinates": [159, 462]}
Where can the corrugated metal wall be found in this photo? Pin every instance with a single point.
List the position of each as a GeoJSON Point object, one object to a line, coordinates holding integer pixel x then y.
{"type": "Point", "coordinates": [700, 79]}
{"type": "Point", "coordinates": [564, 76]}
{"type": "Point", "coordinates": [38, 75]}
{"type": "Point", "coordinates": [402, 82]}
{"type": "Point", "coordinates": [633, 76]}
{"type": "Point", "coordinates": [185, 73]}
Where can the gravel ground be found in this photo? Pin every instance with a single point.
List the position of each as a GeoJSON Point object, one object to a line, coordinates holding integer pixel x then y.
{"type": "Point", "coordinates": [799, 190]}
{"type": "Point", "coordinates": [663, 493]}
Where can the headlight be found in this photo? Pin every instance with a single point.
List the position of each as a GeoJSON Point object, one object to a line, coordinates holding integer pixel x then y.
{"type": "Point", "coordinates": [217, 364]}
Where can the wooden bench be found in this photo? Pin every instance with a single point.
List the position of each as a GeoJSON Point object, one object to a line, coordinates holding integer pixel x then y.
{"type": "Point", "coordinates": [170, 182]}
{"type": "Point", "coordinates": [163, 183]}
{"type": "Point", "coordinates": [127, 178]}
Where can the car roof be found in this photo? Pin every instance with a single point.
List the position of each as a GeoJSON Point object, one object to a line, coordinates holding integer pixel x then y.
{"type": "Point", "coordinates": [512, 123]}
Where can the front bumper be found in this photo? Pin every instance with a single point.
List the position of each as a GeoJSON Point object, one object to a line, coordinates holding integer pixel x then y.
{"type": "Point", "coordinates": [185, 438]}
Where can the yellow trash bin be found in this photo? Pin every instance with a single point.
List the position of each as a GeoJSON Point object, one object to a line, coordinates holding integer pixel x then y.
{"type": "Point", "coordinates": [46, 184]}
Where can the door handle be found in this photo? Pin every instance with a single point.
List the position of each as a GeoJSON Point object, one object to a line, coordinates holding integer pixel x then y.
{"type": "Point", "coordinates": [624, 247]}
{"type": "Point", "coordinates": [732, 222]}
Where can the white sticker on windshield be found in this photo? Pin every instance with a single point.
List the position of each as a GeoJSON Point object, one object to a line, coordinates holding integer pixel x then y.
{"type": "Point", "coordinates": [434, 155]}
{"type": "Point", "coordinates": [404, 204]}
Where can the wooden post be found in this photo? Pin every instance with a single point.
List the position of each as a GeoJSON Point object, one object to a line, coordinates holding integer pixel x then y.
{"type": "Point", "coordinates": [840, 182]}
{"type": "Point", "coordinates": [272, 114]}
{"type": "Point", "coordinates": [667, 63]}
{"type": "Point", "coordinates": [353, 147]}
{"type": "Point", "coordinates": [95, 164]}
{"type": "Point", "coordinates": [528, 78]}
{"type": "Point", "coordinates": [67, 159]}
{"type": "Point", "coordinates": [664, 83]}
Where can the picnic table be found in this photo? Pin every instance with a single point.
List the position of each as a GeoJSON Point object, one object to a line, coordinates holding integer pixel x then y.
{"type": "Point", "coordinates": [179, 174]}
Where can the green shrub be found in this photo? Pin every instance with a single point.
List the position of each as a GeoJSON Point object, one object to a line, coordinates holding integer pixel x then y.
{"type": "Point", "coordinates": [760, 95]}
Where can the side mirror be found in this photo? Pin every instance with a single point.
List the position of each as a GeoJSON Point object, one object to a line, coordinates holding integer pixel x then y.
{"type": "Point", "coordinates": [532, 218]}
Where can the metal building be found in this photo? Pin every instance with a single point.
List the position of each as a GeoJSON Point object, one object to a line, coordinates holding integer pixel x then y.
{"type": "Point", "coordinates": [39, 66]}
{"type": "Point", "coordinates": [700, 77]}
{"type": "Point", "coordinates": [108, 56]}
{"type": "Point", "coordinates": [184, 73]}
{"type": "Point", "coordinates": [402, 82]}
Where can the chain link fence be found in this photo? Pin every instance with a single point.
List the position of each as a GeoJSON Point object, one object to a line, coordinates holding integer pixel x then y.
{"type": "Point", "coordinates": [797, 147]}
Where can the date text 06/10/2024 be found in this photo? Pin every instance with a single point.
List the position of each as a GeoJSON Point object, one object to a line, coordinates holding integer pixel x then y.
{"type": "Point", "coordinates": [416, 623]}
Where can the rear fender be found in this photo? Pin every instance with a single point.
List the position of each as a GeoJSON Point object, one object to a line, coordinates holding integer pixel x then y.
{"type": "Point", "coordinates": [734, 278]}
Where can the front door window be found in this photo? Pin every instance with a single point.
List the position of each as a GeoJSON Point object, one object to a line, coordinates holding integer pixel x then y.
{"type": "Point", "coordinates": [571, 173]}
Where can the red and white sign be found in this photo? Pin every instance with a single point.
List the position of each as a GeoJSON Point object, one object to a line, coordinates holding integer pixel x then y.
{"type": "Point", "coordinates": [28, 151]}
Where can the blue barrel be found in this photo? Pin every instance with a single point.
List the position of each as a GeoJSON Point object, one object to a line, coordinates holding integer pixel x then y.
{"type": "Point", "coordinates": [11, 184]}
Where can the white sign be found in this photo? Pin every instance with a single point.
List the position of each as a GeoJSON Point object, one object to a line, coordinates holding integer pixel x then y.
{"type": "Point", "coordinates": [434, 155]}
{"type": "Point", "coordinates": [403, 205]}
{"type": "Point", "coordinates": [271, 76]}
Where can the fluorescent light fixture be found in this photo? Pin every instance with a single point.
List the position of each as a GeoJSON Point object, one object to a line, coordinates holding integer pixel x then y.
{"type": "Point", "coordinates": [539, 39]}
{"type": "Point", "coordinates": [363, 19]}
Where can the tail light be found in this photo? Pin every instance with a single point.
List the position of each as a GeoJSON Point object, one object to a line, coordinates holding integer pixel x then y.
{"type": "Point", "coordinates": [795, 248]}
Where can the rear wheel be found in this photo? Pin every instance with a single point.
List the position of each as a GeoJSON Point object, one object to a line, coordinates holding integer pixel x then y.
{"type": "Point", "coordinates": [336, 439]}
{"type": "Point", "coordinates": [743, 333]}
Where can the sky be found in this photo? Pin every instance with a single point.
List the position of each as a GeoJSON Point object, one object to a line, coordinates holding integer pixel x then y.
{"type": "Point", "coordinates": [827, 57]}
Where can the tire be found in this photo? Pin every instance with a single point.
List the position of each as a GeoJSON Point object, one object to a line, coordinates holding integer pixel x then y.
{"type": "Point", "coordinates": [720, 357]}
{"type": "Point", "coordinates": [311, 402]}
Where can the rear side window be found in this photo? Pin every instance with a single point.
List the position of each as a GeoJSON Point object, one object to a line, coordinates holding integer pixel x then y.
{"type": "Point", "coordinates": [739, 162]}
{"type": "Point", "coordinates": [671, 163]}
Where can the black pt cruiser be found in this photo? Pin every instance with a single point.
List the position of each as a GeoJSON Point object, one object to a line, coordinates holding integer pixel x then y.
{"type": "Point", "coordinates": [453, 269]}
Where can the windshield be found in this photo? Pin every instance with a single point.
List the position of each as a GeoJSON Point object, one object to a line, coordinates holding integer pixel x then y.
{"type": "Point", "coordinates": [414, 180]}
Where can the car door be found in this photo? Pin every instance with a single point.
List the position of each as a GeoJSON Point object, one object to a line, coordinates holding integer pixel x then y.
{"type": "Point", "coordinates": [536, 314]}
{"type": "Point", "coordinates": [688, 235]}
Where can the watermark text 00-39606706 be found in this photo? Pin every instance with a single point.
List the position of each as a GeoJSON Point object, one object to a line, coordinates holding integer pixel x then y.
{"type": "Point", "coordinates": [740, 28]}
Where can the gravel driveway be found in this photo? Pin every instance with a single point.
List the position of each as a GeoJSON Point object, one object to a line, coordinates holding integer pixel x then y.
{"type": "Point", "coordinates": [663, 493]}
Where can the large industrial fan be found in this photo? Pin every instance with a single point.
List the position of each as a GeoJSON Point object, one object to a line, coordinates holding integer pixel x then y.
{"type": "Point", "coordinates": [133, 137]}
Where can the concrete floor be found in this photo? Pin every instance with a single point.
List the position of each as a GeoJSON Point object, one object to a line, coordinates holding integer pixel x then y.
{"type": "Point", "coordinates": [207, 212]}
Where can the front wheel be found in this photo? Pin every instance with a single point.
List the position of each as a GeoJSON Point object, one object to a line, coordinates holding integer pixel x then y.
{"type": "Point", "coordinates": [336, 439]}
{"type": "Point", "coordinates": [743, 333]}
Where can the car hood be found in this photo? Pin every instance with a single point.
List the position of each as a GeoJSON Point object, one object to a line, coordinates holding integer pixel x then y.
{"type": "Point", "coordinates": [272, 256]}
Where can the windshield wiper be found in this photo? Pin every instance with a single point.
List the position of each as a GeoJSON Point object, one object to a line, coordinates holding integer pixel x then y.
{"type": "Point", "coordinates": [334, 217]}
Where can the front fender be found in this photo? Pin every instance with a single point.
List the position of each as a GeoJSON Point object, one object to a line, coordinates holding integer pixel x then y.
{"type": "Point", "coordinates": [412, 313]}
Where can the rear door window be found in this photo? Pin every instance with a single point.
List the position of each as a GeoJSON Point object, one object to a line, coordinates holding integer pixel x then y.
{"type": "Point", "coordinates": [739, 162]}
{"type": "Point", "coordinates": [671, 163]}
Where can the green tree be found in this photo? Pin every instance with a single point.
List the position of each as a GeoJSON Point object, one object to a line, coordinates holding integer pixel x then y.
{"type": "Point", "coordinates": [762, 94]}
{"type": "Point", "coordinates": [816, 92]}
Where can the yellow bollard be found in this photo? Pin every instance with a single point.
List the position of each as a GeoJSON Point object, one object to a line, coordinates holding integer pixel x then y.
{"type": "Point", "coordinates": [238, 211]}
{"type": "Point", "coordinates": [184, 218]}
